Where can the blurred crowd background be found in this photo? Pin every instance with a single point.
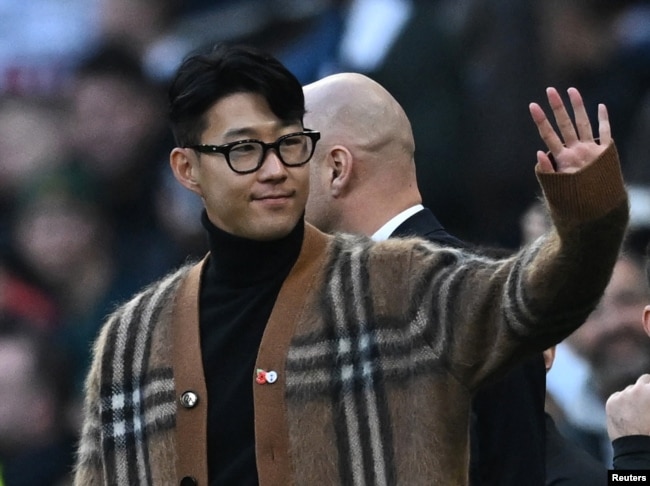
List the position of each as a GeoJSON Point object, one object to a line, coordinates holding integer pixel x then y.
{"type": "Point", "coordinates": [89, 211]}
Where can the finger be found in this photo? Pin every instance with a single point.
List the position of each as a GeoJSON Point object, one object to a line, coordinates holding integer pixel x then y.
{"type": "Point", "coordinates": [544, 163]}
{"type": "Point", "coordinates": [644, 379]}
{"type": "Point", "coordinates": [612, 402]}
{"type": "Point", "coordinates": [604, 129]}
{"type": "Point", "coordinates": [628, 388]}
{"type": "Point", "coordinates": [582, 120]}
{"type": "Point", "coordinates": [545, 129]}
{"type": "Point", "coordinates": [562, 118]}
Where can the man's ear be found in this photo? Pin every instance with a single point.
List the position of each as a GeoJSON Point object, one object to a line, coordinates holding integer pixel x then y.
{"type": "Point", "coordinates": [185, 169]}
{"type": "Point", "coordinates": [549, 357]}
{"type": "Point", "coordinates": [646, 319]}
{"type": "Point", "coordinates": [341, 166]}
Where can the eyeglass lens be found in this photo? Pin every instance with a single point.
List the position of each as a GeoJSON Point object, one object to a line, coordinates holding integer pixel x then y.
{"type": "Point", "coordinates": [292, 150]}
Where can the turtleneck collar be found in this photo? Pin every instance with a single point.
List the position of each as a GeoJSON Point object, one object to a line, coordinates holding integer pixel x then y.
{"type": "Point", "coordinates": [242, 262]}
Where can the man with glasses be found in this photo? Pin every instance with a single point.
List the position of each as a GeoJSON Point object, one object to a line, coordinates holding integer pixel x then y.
{"type": "Point", "coordinates": [291, 357]}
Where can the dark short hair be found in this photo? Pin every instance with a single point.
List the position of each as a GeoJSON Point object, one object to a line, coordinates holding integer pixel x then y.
{"type": "Point", "coordinates": [204, 79]}
{"type": "Point", "coordinates": [114, 60]}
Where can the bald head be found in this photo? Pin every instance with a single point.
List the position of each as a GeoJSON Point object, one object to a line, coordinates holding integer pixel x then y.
{"type": "Point", "coordinates": [352, 109]}
{"type": "Point", "coordinates": [363, 172]}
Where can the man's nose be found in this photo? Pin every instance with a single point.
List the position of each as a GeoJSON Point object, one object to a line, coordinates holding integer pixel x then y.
{"type": "Point", "coordinates": [272, 166]}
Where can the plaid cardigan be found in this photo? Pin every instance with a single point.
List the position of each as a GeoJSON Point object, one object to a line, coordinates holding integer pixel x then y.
{"type": "Point", "coordinates": [377, 349]}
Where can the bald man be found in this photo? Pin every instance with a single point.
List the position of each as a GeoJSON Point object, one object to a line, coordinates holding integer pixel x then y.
{"type": "Point", "coordinates": [363, 176]}
{"type": "Point", "coordinates": [363, 180]}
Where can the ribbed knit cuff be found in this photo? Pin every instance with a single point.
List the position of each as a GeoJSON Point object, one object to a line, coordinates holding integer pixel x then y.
{"type": "Point", "coordinates": [589, 193]}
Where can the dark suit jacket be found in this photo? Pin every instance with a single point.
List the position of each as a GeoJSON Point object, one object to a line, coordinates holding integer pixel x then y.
{"type": "Point", "coordinates": [568, 464]}
{"type": "Point", "coordinates": [507, 433]}
{"type": "Point", "coordinates": [426, 225]}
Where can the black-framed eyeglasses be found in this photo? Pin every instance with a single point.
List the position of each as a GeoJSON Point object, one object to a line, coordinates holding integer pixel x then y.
{"type": "Point", "coordinates": [246, 156]}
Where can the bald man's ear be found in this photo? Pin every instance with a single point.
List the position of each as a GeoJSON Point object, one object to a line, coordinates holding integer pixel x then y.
{"type": "Point", "coordinates": [184, 165]}
{"type": "Point", "coordinates": [341, 165]}
{"type": "Point", "coordinates": [646, 319]}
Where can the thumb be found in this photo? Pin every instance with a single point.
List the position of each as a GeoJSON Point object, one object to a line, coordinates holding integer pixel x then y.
{"type": "Point", "coordinates": [544, 163]}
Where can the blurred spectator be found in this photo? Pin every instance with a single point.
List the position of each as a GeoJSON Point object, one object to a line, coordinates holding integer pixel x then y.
{"type": "Point", "coordinates": [66, 242]}
{"type": "Point", "coordinates": [36, 441]}
{"type": "Point", "coordinates": [32, 138]}
{"type": "Point", "coordinates": [118, 124]}
{"type": "Point", "coordinates": [121, 143]}
{"type": "Point", "coordinates": [612, 352]}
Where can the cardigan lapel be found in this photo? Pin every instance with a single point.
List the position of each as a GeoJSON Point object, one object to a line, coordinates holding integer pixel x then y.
{"type": "Point", "coordinates": [271, 427]}
{"type": "Point", "coordinates": [271, 424]}
{"type": "Point", "coordinates": [189, 382]}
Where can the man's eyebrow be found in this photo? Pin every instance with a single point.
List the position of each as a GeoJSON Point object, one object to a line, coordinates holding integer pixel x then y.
{"type": "Point", "coordinates": [239, 132]}
{"type": "Point", "coordinates": [251, 132]}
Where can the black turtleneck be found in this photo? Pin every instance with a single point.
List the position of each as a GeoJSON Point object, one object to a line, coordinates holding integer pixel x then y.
{"type": "Point", "coordinates": [238, 291]}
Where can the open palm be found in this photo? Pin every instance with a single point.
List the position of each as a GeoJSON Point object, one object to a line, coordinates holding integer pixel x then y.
{"type": "Point", "coordinates": [575, 146]}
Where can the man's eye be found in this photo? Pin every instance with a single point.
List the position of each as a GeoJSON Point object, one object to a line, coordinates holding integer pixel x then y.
{"type": "Point", "coordinates": [245, 148]}
{"type": "Point", "coordinates": [292, 141]}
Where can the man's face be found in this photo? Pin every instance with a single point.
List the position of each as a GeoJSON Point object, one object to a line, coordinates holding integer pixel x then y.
{"type": "Point", "coordinates": [265, 204]}
{"type": "Point", "coordinates": [112, 122]}
{"type": "Point", "coordinates": [613, 337]}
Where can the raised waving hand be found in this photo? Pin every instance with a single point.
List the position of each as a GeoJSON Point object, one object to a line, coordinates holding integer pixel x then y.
{"type": "Point", "coordinates": [574, 146]}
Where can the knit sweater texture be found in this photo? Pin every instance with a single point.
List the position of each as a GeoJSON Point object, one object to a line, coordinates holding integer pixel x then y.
{"type": "Point", "coordinates": [378, 350]}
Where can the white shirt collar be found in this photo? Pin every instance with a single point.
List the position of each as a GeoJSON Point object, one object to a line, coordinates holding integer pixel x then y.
{"type": "Point", "coordinates": [387, 229]}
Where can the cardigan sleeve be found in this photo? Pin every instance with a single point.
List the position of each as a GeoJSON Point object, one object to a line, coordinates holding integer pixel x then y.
{"type": "Point", "coordinates": [497, 312]}
{"type": "Point", "coordinates": [88, 469]}
{"type": "Point", "coordinates": [130, 407]}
